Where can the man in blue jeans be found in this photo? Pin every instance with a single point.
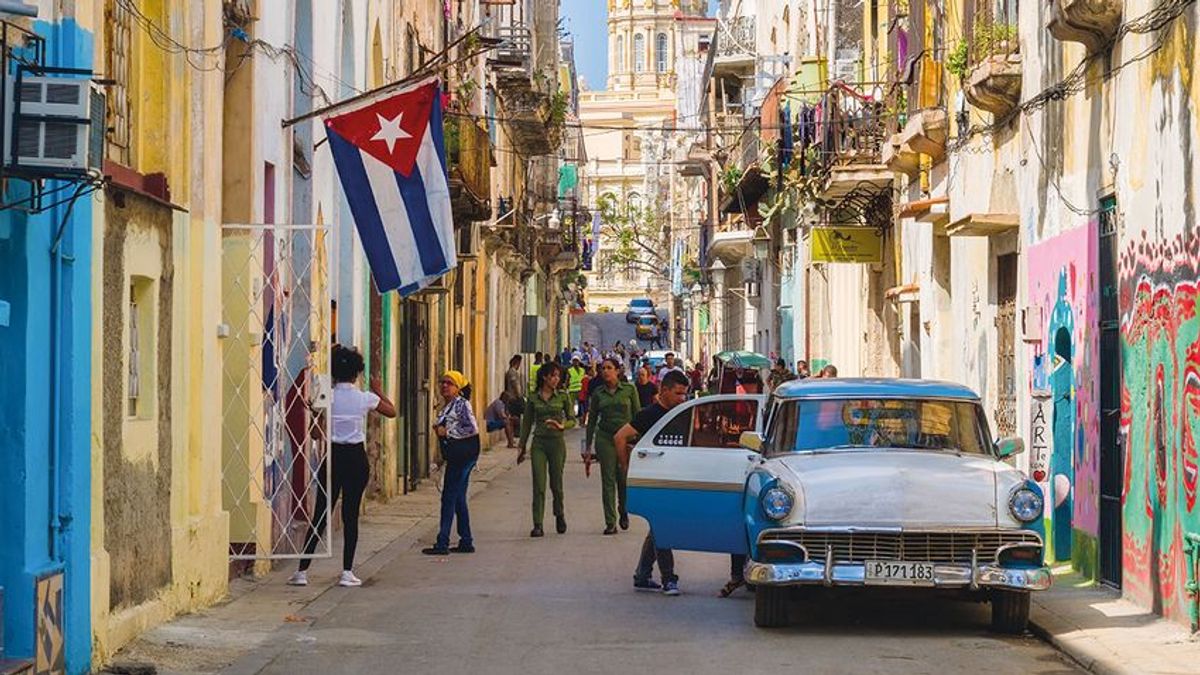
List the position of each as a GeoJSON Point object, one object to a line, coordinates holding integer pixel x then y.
{"type": "Point", "coordinates": [672, 392]}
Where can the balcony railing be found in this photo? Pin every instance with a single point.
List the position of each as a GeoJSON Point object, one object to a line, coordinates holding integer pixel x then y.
{"type": "Point", "coordinates": [853, 131]}
{"type": "Point", "coordinates": [516, 48]}
{"type": "Point", "coordinates": [735, 39]}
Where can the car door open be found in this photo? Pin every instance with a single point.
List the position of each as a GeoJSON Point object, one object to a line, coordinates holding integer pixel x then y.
{"type": "Point", "coordinates": [686, 475]}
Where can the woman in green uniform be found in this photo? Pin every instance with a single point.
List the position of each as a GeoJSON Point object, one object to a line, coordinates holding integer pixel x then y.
{"type": "Point", "coordinates": [613, 404]}
{"type": "Point", "coordinates": [548, 412]}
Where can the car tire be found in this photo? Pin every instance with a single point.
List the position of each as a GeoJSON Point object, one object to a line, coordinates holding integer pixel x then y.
{"type": "Point", "coordinates": [1010, 611]}
{"type": "Point", "coordinates": [770, 606]}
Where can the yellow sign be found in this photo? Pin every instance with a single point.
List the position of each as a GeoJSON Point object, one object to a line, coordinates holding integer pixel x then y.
{"type": "Point", "coordinates": [846, 245]}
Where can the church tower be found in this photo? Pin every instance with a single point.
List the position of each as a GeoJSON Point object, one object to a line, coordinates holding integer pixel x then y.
{"type": "Point", "coordinates": [643, 43]}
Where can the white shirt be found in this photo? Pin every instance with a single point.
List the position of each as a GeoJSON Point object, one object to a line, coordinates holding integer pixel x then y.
{"type": "Point", "coordinates": [348, 413]}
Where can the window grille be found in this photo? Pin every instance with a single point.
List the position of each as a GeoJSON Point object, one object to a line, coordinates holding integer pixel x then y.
{"type": "Point", "coordinates": [639, 53]}
{"type": "Point", "coordinates": [117, 66]}
{"type": "Point", "coordinates": [660, 53]}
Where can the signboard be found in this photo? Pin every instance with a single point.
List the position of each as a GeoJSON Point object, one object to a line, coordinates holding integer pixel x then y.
{"type": "Point", "coordinates": [846, 245]}
{"type": "Point", "coordinates": [1039, 444]}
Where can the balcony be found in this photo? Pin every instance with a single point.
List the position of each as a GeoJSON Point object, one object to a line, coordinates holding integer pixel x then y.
{"type": "Point", "coordinates": [1091, 22]}
{"type": "Point", "coordinates": [925, 132]}
{"type": "Point", "coordinates": [735, 42]}
{"type": "Point", "coordinates": [469, 160]}
{"type": "Point", "coordinates": [900, 158]}
{"type": "Point", "coordinates": [993, 80]}
{"type": "Point", "coordinates": [526, 103]}
{"type": "Point", "coordinates": [851, 152]}
{"type": "Point", "coordinates": [512, 60]}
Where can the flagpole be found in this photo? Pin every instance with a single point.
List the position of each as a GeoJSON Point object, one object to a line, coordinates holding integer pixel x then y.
{"type": "Point", "coordinates": [422, 72]}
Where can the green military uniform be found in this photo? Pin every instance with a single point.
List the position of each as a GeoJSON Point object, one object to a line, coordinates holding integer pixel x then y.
{"type": "Point", "coordinates": [608, 412]}
{"type": "Point", "coordinates": [548, 449]}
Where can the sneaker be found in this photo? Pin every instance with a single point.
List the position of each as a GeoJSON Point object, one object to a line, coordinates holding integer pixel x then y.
{"type": "Point", "coordinates": [670, 588]}
{"type": "Point", "coordinates": [436, 550]}
{"type": "Point", "coordinates": [646, 585]}
{"type": "Point", "coordinates": [349, 580]}
{"type": "Point", "coordinates": [463, 548]}
{"type": "Point", "coordinates": [298, 579]}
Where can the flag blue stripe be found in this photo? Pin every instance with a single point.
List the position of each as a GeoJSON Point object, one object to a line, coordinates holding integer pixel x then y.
{"type": "Point", "coordinates": [357, 188]}
{"type": "Point", "coordinates": [435, 130]}
{"type": "Point", "coordinates": [429, 246]}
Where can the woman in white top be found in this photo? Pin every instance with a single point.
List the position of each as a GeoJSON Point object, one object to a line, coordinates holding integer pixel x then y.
{"type": "Point", "coordinates": [350, 471]}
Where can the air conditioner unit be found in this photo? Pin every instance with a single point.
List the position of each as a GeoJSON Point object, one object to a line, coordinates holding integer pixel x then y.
{"type": "Point", "coordinates": [56, 125]}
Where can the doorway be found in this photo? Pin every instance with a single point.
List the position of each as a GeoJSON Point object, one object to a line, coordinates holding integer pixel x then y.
{"type": "Point", "coordinates": [1006, 329]}
{"type": "Point", "coordinates": [1111, 445]}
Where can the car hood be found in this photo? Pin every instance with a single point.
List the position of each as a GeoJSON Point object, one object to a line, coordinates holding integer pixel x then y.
{"type": "Point", "coordinates": [898, 488]}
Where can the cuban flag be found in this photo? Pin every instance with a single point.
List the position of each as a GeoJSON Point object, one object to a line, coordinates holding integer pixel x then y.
{"type": "Point", "coordinates": [391, 160]}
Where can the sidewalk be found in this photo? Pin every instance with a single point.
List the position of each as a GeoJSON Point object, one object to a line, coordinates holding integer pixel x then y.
{"type": "Point", "coordinates": [230, 635]}
{"type": "Point", "coordinates": [1108, 635]}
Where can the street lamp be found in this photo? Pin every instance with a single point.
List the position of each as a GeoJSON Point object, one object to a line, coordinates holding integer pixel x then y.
{"type": "Point", "coordinates": [696, 290]}
{"type": "Point", "coordinates": [762, 243]}
{"type": "Point", "coordinates": [718, 272]}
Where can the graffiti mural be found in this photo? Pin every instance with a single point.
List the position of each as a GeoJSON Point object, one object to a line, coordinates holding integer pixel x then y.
{"type": "Point", "coordinates": [1160, 413]}
{"type": "Point", "coordinates": [1062, 286]}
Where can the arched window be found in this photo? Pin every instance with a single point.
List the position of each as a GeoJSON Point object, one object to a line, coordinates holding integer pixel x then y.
{"type": "Point", "coordinates": [639, 53]}
{"type": "Point", "coordinates": [620, 64]}
{"type": "Point", "coordinates": [660, 53]}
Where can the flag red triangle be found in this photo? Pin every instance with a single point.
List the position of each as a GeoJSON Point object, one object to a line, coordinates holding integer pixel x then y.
{"type": "Point", "coordinates": [390, 129]}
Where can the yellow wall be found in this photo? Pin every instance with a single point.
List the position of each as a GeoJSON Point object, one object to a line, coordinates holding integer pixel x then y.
{"type": "Point", "coordinates": [169, 136]}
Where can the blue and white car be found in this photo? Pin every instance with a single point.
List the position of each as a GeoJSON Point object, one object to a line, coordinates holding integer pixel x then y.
{"type": "Point", "coordinates": [847, 482]}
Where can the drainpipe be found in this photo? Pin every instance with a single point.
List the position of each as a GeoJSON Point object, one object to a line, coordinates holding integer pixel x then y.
{"type": "Point", "coordinates": [18, 8]}
{"type": "Point", "coordinates": [60, 518]}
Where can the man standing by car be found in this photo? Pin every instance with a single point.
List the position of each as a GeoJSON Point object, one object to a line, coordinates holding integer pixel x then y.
{"type": "Point", "coordinates": [673, 392]}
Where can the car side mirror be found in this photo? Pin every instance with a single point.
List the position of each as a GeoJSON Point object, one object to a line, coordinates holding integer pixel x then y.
{"type": "Point", "coordinates": [751, 440]}
{"type": "Point", "coordinates": [1009, 446]}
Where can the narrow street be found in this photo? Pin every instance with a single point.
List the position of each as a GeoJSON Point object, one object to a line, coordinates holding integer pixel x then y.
{"type": "Point", "coordinates": [565, 604]}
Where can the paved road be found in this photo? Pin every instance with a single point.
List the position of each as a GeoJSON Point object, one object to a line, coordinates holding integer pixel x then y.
{"type": "Point", "coordinates": [606, 328]}
{"type": "Point", "coordinates": [564, 604]}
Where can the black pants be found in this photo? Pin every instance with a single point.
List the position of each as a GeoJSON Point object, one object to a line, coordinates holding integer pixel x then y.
{"type": "Point", "coordinates": [349, 479]}
{"type": "Point", "coordinates": [651, 554]}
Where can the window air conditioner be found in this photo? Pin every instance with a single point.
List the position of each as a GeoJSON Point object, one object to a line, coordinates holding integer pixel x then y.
{"type": "Point", "coordinates": [55, 125]}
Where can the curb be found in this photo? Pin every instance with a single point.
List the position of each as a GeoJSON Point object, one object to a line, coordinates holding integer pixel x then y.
{"type": "Point", "coordinates": [1086, 659]}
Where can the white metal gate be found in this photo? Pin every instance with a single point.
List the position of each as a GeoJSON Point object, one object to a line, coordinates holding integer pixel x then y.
{"type": "Point", "coordinates": [276, 334]}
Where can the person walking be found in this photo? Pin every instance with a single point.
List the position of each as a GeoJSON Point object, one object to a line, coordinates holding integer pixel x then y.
{"type": "Point", "coordinates": [458, 437]}
{"type": "Point", "coordinates": [537, 364]}
{"type": "Point", "coordinates": [347, 459]}
{"type": "Point", "coordinates": [548, 412]}
{"type": "Point", "coordinates": [514, 387]}
{"type": "Point", "coordinates": [613, 404]}
{"type": "Point", "coordinates": [780, 374]}
{"type": "Point", "coordinates": [575, 375]}
{"type": "Point", "coordinates": [673, 392]}
{"type": "Point", "coordinates": [584, 395]}
{"type": "Point", "coordinates": [646, 388]}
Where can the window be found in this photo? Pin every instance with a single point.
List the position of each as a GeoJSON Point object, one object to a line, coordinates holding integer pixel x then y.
{"type": "Point", "coordinates": [139, 392]}
{"type": "Point", "coordinates": [916, 424]}
{"type": "Point", "coordinates": [660, 53]}
{"type": "Point", "coordinates": [639, 53]}
{"type": "Point", "coordinates": [619, 66]}
{"type": "Point", "coordinates": [710, 425]}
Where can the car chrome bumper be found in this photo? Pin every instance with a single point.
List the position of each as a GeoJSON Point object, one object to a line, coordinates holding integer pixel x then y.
{"type": "Point", "coordinates": [944, 576]}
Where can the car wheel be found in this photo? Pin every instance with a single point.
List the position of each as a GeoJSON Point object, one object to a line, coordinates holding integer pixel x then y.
{"type": "Point", "coordinates": [770, 607]}
{"type": "Point", "coordinates": [1010, 611]}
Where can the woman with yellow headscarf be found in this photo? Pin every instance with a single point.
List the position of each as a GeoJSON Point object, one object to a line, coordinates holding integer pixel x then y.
{"type": "Point", "coordinates": [458, 434]}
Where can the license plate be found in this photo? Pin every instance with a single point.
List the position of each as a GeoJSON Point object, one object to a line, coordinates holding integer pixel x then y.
{"type": "Point", "coordinates": [898, 573]}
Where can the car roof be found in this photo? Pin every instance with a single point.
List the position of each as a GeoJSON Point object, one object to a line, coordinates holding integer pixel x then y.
{"type": "Point", "coordinates": [868, 387]}
{"type": "Point", "coordinates": [658, 353]}
{"type": "Point", "coordinates": [641, 301]}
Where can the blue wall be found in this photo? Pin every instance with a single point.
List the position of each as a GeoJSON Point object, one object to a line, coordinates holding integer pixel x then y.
{"type": "Point", "coordinates": [33, 431]}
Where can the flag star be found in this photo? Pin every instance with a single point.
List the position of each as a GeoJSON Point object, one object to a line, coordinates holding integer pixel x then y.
{"type": "Point", "coordinates": [390, 131]}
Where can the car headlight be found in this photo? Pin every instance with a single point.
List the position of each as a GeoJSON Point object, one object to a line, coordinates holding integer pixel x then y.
{"type": "Point", "coordinates": [777, 503]}
{"type": "Point", "coordinates": [1025, 505]}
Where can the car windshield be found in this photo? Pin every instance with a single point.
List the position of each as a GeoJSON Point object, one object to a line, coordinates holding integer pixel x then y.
{"type": "Point", "coordinates": [640, 304]}
{"type": "Point", "coordinates": [855, 423]}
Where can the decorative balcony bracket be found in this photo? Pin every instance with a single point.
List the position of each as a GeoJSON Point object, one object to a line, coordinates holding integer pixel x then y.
{"type": "Point", "coordinates": [994, 84]}
{"type": "Point", "coordinates": [1091, 22]}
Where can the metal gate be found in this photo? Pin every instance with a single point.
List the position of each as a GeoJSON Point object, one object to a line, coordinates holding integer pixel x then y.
{"type": "Point", "coordinates": [276, 333]}
{"type": "Point", "coordinates": [1006, 329]}
{"type": "Point", "coordinates": [1111, 447]}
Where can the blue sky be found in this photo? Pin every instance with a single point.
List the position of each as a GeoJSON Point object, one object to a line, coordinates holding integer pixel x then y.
{"type": "Point", "coordinates": [586, 21]}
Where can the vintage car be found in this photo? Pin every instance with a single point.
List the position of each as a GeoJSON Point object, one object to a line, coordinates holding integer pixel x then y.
{"type": "Point", "coordinates": [847, 482]}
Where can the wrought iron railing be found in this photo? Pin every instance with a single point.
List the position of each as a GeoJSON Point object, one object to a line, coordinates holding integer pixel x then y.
{"type": "Point", "coordinates": [516, 47]}
{"type": "Point", "coordinates": [992, 30]}
{"type": "Point", "coordinates": [852, 130]}
{"type": "Point", "coordinates": [468, 155]}
{"type": "Point", "coordinates": [736, 37]}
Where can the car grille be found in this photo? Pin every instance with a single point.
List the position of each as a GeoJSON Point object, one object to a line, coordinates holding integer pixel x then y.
{"type": "Point", "coordinates": [936, 547]}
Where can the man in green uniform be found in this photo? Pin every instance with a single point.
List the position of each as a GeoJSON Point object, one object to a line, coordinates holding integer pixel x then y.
{"type": "Point", "coordinates": [612, 405]}
{"type": "Point", "coordinates": [548, 412]}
